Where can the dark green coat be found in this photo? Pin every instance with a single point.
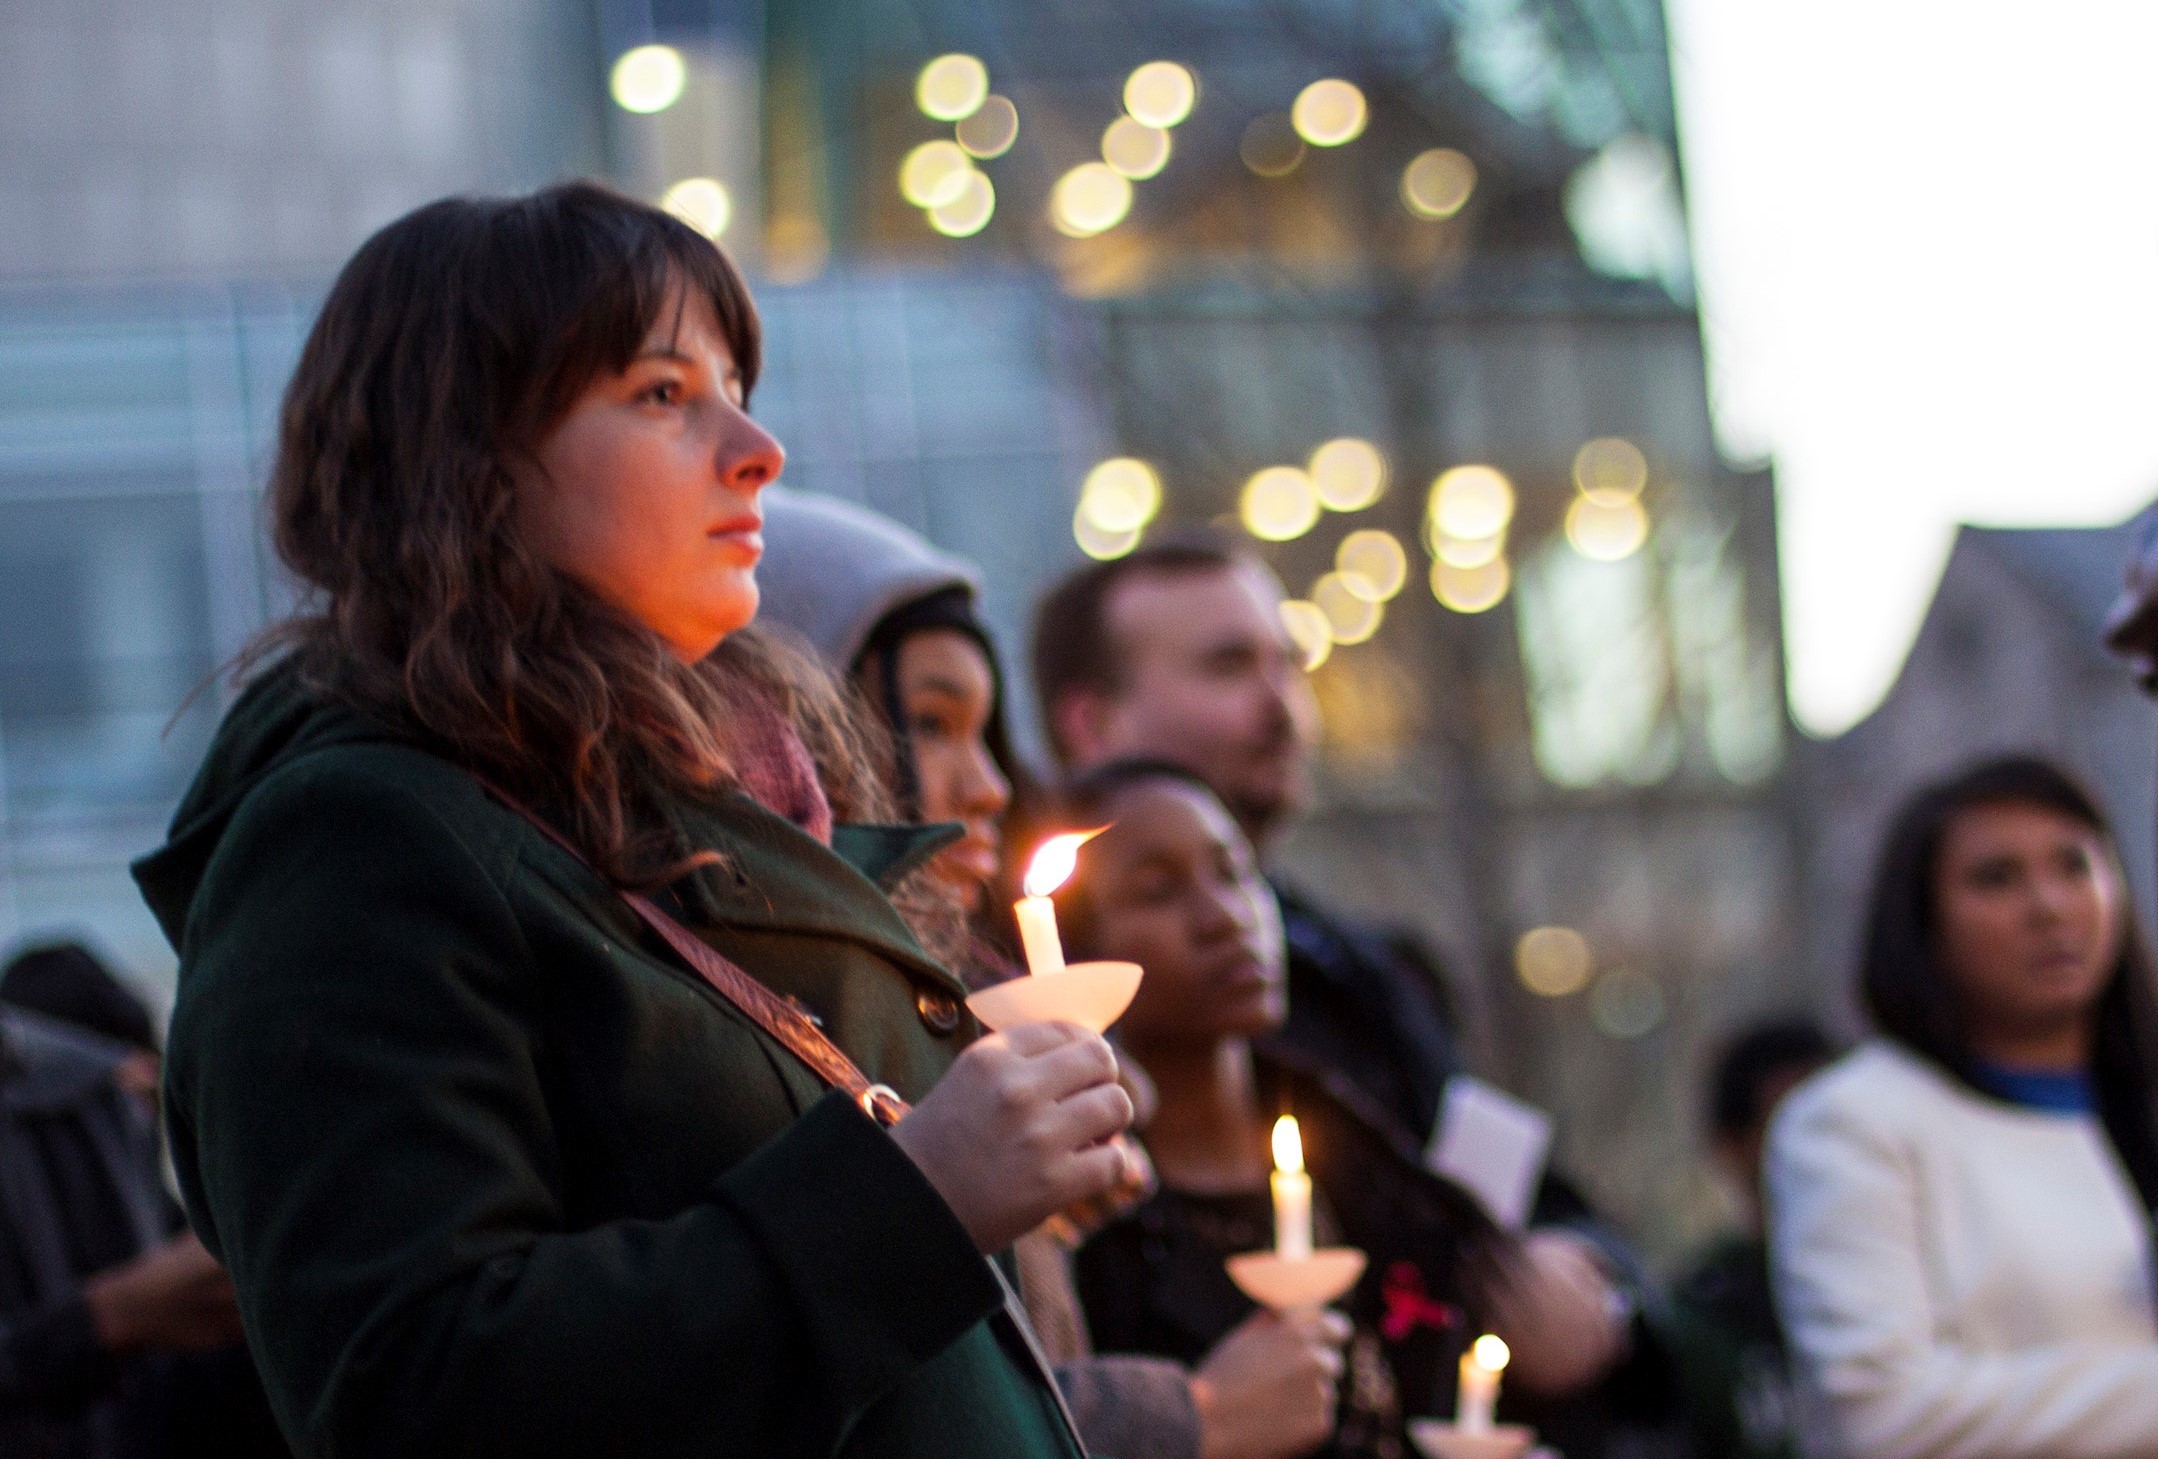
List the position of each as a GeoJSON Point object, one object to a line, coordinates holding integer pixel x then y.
{"type": "Point", "coordinates": [494, 1174]}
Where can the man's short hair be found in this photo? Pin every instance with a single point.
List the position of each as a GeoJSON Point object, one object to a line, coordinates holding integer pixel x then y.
{"type": "Point", "coordinates": [1738, 1086]}
{"type": "Point", "coordinates": [1073, 649]}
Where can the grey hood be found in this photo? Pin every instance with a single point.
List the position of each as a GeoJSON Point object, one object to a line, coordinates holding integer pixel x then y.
{"type": "Point", "coordinates": [833, 570]}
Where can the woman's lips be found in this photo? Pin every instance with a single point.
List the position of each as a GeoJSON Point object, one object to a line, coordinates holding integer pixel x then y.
{"type": "Point", "coordinates": [745, 536]}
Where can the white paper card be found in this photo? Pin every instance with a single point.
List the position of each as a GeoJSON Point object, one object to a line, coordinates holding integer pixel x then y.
{"type": "Point", "coordinates": [1493, 1145]}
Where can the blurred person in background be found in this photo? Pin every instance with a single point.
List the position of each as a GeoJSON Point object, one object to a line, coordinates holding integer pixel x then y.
{"type": "Point", "coordinates": [1723, 1319]}
{"type": "Point", "coordinates": [551, 1081]}
{"type": "Point", "coordinates": [119, 1337]}
{"type": "Point", "coordinates": [1177, 651]}
{"type": "Point", "coordinates": [898, 618]}
{"type": "Point", "coordinates": [1960, 1211]}
{"type": "Point", "coordinates": [1173, 885]}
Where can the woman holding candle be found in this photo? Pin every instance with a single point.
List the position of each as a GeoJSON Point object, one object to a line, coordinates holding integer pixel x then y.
{"type": "Point", "coordinates": [520, 954]}
{"type": "Point", "coordinates": [897, 616]}
{"type": "Point", "coordinates": [1173, 886]}
{"type": "Point", "coordinates": [1960, 1211]}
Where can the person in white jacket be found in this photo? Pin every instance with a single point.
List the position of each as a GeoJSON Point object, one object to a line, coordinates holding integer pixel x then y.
{"type": "Point", "coordinates": [1960, 1211]}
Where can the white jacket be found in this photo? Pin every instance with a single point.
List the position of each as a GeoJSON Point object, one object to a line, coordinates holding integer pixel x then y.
{"type": "Point", "coordinates": [1959, 1279]}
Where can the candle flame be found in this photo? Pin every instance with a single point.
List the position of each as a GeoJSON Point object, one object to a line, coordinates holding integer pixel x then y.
{"type": "Point", "coordinates": [1491, 1353]}
{"type": "Point", "coordinates": [1057, 859]}
{"type": "Point", "coordinates": [1288, 1146]}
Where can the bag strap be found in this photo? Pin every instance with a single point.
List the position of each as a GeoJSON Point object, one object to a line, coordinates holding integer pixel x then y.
{"type": "Point", "coordinates": [782, 1018]}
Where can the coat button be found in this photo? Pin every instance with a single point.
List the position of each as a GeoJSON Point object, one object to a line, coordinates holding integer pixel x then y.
{"type": "Point", "coordinates": [939, 1010]}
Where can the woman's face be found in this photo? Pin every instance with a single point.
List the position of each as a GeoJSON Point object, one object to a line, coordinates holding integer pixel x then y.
{"type": "Point", "coordinates": [647, 489]}
{"type": "Point", "coordinates": [946, 693]}
{"type": "Point", "coordinates": [1173, 887]}
{"type": "Point", "coordinates": [2030, 918]}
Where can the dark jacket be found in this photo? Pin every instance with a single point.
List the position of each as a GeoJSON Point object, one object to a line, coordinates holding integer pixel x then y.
{"type": "Point", "coordinates": [496, 1175]}
{"type": "Point", "coordinates": [80, 1194]}
{"type": "Point", "coordinates": [1153, 1281]}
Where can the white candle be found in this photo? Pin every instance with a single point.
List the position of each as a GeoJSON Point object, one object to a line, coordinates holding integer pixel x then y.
{"type": "Point", "coordinates": [1479, 1396]}
{"type": "Point", "coordinates": [1051, 867]}
{"type": "Point", "coordinates": [1038, 934]}
{"type": "Point", "coordinates": [1292, 1193]}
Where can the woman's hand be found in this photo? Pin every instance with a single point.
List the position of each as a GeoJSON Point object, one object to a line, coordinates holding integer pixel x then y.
{"type": "Point", "coordinates": [1555, 1311]}
{"type": "Point", "coordinates": [1017, 1129]}
{"type": "Point", "coordinates": [1267, 1390]}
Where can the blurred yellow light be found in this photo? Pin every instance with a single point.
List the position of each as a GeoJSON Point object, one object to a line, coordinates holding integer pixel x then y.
{"type": "Point", "coordinates": [1469, 552]}
{"type": "Point", "coordinates": [969, 213]}
{"type": "Point", "coordinates": [1091, 198]}
{"type": "Point", "coordinates": [991, 130]}
{"type": "Point", "coordinates": [1438, 183]}
{"type": "Point", "coordinates": [1160, 93]}
{"type": "Point", "coordinates": [1307, 629]}
{"type": "Point", "coordinates": [1330, 113]}
{"type": "Point", "coordinates": [1134, 148]}
{"type": "Point", "coordinates": [1278, 504]}
{"type": "Point", "coordinates": [1606, 530]}
{"type": "Point", "coordinates": [648, 79]}
{"type": "Point", "coordinates": [935, 173]}
{"type": "Point", "coordinates": [1099, 544]}
{"type": "Point", "coordinates": [1610, 470]}
{"type": "Point", "coordinates": [1122, 494]}
{"type": "Point", "coordinates": [1349, 473]}
{"type": "Point", "coordinates": [1553, 961]}
{"type": "Point", "coordinates": [1469, 503]}
{"type": "Point", "coordinates": [1350, 616]}
{"type": "Point", "coordinates": [701, 202]}
{"type": "Point", "coordinates": [1270, 146]}
{"type": "Point", "coordinates": [1471, 589]}
{"type": "Point", "coordinates": [1373, 563]}
{"type": "Point", "coordinates": [951, 88]}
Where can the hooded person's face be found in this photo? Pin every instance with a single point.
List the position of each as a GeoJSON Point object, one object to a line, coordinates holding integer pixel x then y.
{"type": "Point", "coordinates": [946, 695]}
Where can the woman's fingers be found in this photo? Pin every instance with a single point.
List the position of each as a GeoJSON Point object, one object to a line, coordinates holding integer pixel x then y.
{"type": "Point", "coordinates": [1090, 1117]}
{"type": "Point", "coordinates": [1082, 1063]}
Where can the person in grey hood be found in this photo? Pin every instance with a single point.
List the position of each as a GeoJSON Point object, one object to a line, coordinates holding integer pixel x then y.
{"type": "Point", "coordinates": [897, 616]}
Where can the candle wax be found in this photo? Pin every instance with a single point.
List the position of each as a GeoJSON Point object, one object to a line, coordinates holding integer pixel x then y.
{"type": "Point", "coordinates": [1478, 1398]}
{"type": "Point", "coordinates": [1038, 934]}
{"type": "Point", "coordinates": [1292, 1215]}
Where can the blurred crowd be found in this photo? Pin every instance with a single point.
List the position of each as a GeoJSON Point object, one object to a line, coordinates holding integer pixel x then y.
{"type": "Point", "coordinates": [1945, 1244]}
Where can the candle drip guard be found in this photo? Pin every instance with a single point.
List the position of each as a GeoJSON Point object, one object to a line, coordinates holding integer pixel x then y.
{"type": "Point", "coordinates": [1286, 1283]}
{"type": "Point", "coordinates": [1092, 995]}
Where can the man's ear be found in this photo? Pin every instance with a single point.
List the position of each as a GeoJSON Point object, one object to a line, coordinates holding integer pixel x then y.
{"type": "Point", "coordinates": [1079, 728]}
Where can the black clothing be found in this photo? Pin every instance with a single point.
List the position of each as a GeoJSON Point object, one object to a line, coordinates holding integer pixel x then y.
{"type": "Point", "coordinates": [1153, 1282]}
{"type": "Point", "coordinates": [1370, 1005]}
{"type": "Point", "coordinates": [79, 1194]}
{"type": "Point", "coordinates": [1731, 1352]}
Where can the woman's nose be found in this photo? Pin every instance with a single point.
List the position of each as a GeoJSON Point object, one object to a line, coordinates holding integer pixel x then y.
{"type": "Point", "coordinates": [985, 791]}
{"type": "Point", "coordinates": [750, 457]}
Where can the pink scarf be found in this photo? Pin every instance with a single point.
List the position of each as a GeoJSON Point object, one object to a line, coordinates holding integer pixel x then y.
{"type": "Point", "coordinates": [771, 764]}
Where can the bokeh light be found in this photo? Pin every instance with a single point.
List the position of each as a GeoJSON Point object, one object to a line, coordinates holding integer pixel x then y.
{"type": "Point", "coordinates": [1100, 543]}
{"type": "Point", "coordinates": [1606, 531]}
{"type": "Point", "coordinates": [1121, 494]}
{"type": "Point", "coordinates": [1438, 183]}
{"type": "Point", "coordinates": [1279, 504]}
{"type": "Point", "coordinates": [1330, 113]}
{"type": "Point", "coordinates": [1270, 145]}
{"type": "Point", "coordinates": [1464, 551]}
{"type": "Point", "coordinates": [701, 202]}
{"type": "Point", "coordinates": [970, 212]}
{"type": "Point", "coordinates": [935, 173]}
{"type": "Point", "coordinates": [992, 128]}
{"type": "Point", "coordinates": [1349, 473]}
{"type": "Point", "coordinates": [1306, 626]}
{"type": "Point", "coordinates": [1134, 148]}
{"type": "Point", "coordinates": [1626, 1004]}
{"type": "Point", "coordinates": [952, 88]}
{"type": "Point", "coordinates": [1160, 93]}
{"type": "Point", "coordinates": [1350, 616]}
{"type": "Point", "coordinates": [1470, 503]}
{"type": "Point", "coordinates": [648, 79]}
{"type": "Point", "coordinates": [1610, 469]}
{"type": "Point", "coordinates": [1471, 589]}
{"type": "Point", "coordinates": [1553, 961]}
{"type": "Point", "coordinates": [1373, 563]}
{"type": "Point", "coordinates": [1091, 198]}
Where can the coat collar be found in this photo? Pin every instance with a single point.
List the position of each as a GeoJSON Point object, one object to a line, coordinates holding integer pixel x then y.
{"type": "Point", "coordinates": [777, 877]}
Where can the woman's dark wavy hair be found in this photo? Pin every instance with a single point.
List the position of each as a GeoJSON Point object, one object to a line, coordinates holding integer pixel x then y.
{"type": "Point", "coordinates": [450, 345]}
{"type": "Point", "coordinates": [1909, 995]}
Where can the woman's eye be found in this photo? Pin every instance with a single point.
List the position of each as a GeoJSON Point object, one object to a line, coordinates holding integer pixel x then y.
{"type": "Point", "coordinates": [666, 392]}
